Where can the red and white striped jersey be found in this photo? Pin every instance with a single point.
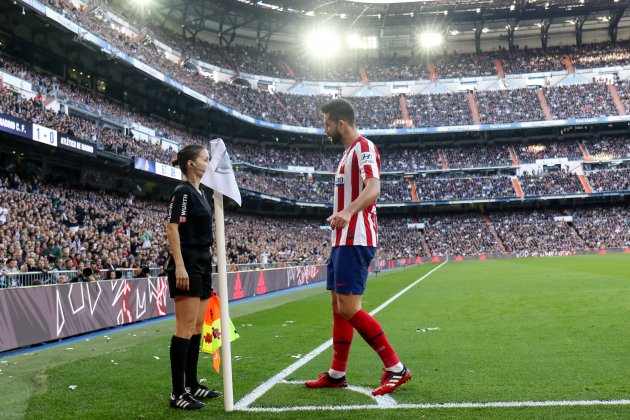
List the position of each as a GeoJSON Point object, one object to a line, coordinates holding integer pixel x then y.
{"type": "Point", "coordinates": [360, 161]}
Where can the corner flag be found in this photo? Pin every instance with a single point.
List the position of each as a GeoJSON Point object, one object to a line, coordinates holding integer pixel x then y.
{"type": "Point", "coordinates": [220, 177]}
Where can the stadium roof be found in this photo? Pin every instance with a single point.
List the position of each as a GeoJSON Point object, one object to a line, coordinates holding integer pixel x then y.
{"type": "Point", "coordinates": [406, 12]}
{"type": "Point", "coordinates": [269, 18]}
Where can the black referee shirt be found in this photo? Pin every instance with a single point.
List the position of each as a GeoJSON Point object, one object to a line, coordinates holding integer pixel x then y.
{"type": "Point", "coordinates": [191, 210]}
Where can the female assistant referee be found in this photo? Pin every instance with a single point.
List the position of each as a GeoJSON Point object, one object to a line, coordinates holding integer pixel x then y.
{"type": "Point", "coordinates": [189, 270]}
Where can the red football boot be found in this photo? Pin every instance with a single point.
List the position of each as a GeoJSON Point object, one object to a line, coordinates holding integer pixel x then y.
{"type": "Point", "coordinates": [392, 380]}
{"type": "Point", "coordinates": [326, 381]}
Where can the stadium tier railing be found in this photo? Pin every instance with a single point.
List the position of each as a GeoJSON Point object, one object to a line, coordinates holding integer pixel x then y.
{"type": "Point", "coordinates": [50, 277]}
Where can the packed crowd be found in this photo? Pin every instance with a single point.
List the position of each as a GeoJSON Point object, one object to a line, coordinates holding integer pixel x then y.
{"type": "Point", "coordinates": [397, 240]}
{"type": "Point", "coordinates": [535, 232]}
{"type": "Point", "coordinates": [533, 184]}
{"type": "Point", "coordinates": [471, 156]}
{"type": "Point", "coordinates": [372, 112]}
{"type": "Point", "coordinates": [298, 189]}
{"type": "Point", "coordinates": [112, 139]}
{"type": "Point", "coordinates": [394, 68]}
{"type": "Point", "coordinates": [305, 190]}
{"type": "Point", "coordinates": [246, 59]}
{"type": "Point", "coordinates": [375, 111]}
{"type": "Point", "coordinates": [50, 227]}
{"type": "Point", "coordinates": [609, 180]}
{"type": "Point", "coordinates": [603, 228]}
{"type": "Point", "coordinates": [459, 235]}
{"type": "Point", "coordinates": [109, 137]}
{"type": "Point", "coordinates": [260, 240]}
{"type": "Point", "coordinates": [509, 106]}
{"type": "Point", "coordinates": [607, 148]}
{"type": "Point", "coordinates": [531, 60]}
{"type": "Point", "coordinates": [464, 65]}
{"type": "Point", "coordinates": [602, 54]}
{"type": "Point", "coordinates": [550, 183]}
{"type": "Point", "coordinates": [580, 101]}
{"type": "Point", "coordinates": [439, 110]}
{"type": "Point", "coordinates": [623, 89]}
{"type": "Point", "coordinates": [438, 189]}
{"type": "Point", "coordinates": [531, 152]}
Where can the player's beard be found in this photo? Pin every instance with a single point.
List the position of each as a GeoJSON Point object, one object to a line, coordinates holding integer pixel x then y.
{"type": "Point", "coordinates": [336, 138]}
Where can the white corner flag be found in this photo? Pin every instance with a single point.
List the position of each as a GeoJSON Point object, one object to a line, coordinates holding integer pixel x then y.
{"type": "Point", "coordinates": [220, 177]}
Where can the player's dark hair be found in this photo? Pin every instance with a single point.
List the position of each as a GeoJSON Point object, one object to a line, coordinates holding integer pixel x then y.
{"type": "Point", "coordinates": [186, 153]}
{"type": "Point", "coordinates": [339, 109]}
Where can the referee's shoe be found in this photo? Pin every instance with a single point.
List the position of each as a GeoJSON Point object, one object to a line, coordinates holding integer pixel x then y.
{"type": "Point", "coordinates": [186, 402]}
{"type": "Point", "coordinates": [202, 391]}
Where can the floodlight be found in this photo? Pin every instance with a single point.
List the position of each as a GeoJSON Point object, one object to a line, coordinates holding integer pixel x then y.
{"type": "Point", "coordinates": [322, 42]}
{"type": "Point", "coordinates": [431, 39]}
{"type": "Point", "coordinates": [353, 40]}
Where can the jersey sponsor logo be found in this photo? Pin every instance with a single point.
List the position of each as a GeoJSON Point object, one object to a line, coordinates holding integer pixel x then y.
{"type": "Point", "coordinates": [182, 219]}
{"type": "Point", "coordinates": [339, 180]}
{"type": "Point", "coordinates": [367, 157]}
{"type": "Point", "coordinates": [184, 205]}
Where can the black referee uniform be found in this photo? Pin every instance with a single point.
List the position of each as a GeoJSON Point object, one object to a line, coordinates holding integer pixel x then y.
{"type": "Point", "coordinates": [191, 210]}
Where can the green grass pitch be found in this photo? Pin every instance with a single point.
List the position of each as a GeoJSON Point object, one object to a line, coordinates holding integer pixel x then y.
{"type": "Point", "coordinates": [534, 329]}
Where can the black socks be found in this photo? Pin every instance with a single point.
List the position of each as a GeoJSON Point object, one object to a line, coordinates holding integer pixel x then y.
{"type": "Point", "coordinates": [179, 353]}
{"type": "Point", "coordinates": [191, 361]}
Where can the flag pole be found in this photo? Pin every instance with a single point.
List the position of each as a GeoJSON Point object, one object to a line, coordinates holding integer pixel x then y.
{"type": "Point", "coordinates": [226, 350]}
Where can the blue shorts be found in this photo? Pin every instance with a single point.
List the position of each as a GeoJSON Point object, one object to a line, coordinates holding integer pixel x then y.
{"type": "Point", "coordinates": [348, 269]}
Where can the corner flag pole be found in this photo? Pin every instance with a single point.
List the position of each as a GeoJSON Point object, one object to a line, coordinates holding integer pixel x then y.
{"type": "Point", "coordinates": [226, 347]}
{"type": "Point", "coordinates": [220, 177]}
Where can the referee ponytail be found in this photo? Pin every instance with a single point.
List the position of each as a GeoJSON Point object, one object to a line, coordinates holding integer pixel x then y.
{"type": "Point", "coordinates": [185, 154]}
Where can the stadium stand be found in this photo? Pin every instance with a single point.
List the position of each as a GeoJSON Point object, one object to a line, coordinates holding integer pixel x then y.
{"type": "Point", "coordinates": [559, 183]}
{"type": "Point", "coordinates": [509, 106]}
{"type": "Point", "coordinates": [240, 58]}
{"type": "Point", "coordinates": [95, 228]}
{"type": "Point", "coordinates": [101, 229]}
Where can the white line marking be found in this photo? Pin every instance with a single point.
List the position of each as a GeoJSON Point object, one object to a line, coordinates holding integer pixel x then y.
{"type": "Point", "coordinates": [248, 399]}
{"type": "Point", "coordinates": [383, 401]}
{"type": "Point", "coordinates": [507, 404]}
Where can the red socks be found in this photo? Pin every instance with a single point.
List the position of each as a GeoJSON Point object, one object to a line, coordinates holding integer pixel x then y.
{"type": "Point", "coordinates": [373, 334]}
{"type": "Point", "coordinates": [342, 339]}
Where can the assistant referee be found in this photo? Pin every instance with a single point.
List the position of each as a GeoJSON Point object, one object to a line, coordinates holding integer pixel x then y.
{"type": "Point", "coordinates": [189, 270]}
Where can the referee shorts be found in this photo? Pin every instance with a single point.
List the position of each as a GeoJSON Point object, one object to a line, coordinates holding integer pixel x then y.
{"type": "Point", "coordinates": [198, 264]}
{"type": "Point", "coordinates": [348, 269]}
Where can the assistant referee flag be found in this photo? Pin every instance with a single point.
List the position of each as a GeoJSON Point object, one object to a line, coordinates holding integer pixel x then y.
{"type": "Point", "coordinates": [211, 342]}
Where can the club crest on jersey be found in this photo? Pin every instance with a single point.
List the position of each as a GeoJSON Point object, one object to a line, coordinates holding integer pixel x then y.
{"type": "Point", "coordinates": [367, 157]}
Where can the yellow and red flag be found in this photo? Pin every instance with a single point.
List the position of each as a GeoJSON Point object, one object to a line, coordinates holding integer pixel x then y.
{"type": "Point", "coordinates": [211, 335]}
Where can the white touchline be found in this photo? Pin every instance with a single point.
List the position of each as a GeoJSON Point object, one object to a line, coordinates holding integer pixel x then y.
{"type": "Point", "coordinates": [244, 403]}
{"type": "Point", "coordinates": [498, 404]}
